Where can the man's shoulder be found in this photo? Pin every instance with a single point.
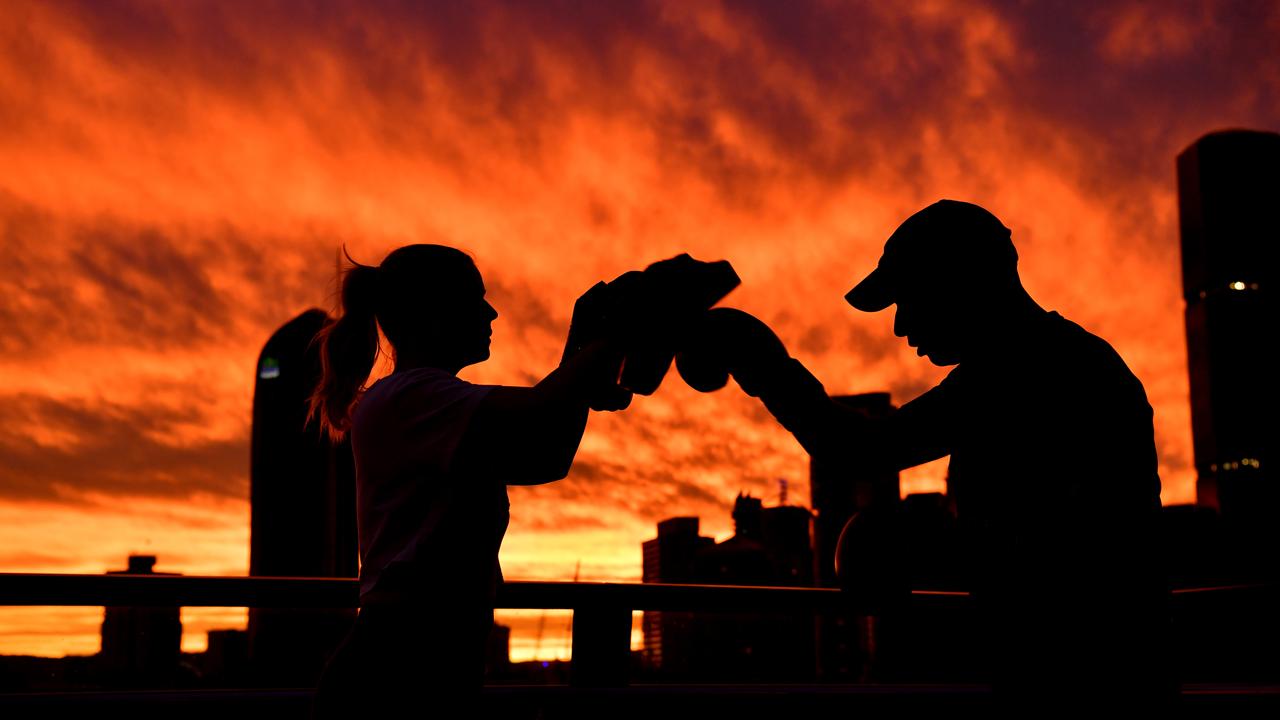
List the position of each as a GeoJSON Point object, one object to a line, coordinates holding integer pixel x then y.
{"type": "Point", "coordinates": [1070, 339]}
{"type": "Point", "coordinates": [1086, 358]}
{"type": "Point", "coordinates": [1052, 348]}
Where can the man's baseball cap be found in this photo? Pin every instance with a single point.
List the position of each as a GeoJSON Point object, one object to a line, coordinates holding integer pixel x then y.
{"type": "Point", "coordinates": [949, 239]}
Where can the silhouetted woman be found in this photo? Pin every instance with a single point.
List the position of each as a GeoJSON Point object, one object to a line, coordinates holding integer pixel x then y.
{"type": "Point", "coordinates": [433, 457]}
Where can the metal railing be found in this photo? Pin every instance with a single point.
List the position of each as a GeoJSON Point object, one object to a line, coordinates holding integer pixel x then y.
{"type": "Point", "coordinates": [601, 639]}
{"type": "Point", "coordinates": [602, 612]}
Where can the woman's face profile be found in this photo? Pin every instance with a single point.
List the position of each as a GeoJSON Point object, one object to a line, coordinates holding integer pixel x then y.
{"type": "Point", "coordinates": [463, 325]}
{"type": "Point", "coordinates": [480, 316]}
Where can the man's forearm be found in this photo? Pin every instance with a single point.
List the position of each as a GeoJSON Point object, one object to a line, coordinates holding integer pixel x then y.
{"type": "Point", "coordinates": [800, 404]}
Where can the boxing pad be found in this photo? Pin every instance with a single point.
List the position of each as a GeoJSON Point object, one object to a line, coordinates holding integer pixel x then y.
{"type": "Point", "coordinates": [641, 318]}
{"type": "Point", "coordinates": [661, 305]}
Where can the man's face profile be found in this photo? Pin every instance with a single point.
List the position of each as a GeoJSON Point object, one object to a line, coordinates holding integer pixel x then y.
{"type": "Point", "coordinates": [947, 270]}
{"type": "Point", "coordinates": [932, 322]}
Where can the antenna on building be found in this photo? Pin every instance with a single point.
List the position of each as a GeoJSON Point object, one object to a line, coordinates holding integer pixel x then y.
{"type": "Point", "coordinates": [782, 491]}
{"type": "Point", "coordinates": [537, 641]}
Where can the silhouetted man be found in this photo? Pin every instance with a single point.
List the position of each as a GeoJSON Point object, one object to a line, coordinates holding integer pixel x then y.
{"type": "Point", "coordinates": [1053, 459]}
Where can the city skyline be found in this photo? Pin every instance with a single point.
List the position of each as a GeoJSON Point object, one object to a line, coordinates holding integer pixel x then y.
{"type": "Point", "coordinates": [167, 213]}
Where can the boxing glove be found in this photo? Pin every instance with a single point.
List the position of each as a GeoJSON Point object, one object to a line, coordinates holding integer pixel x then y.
{"type": "Point", "coordinates": [649, 314]}
{"type": "Point", "coordinates": [728, 341]}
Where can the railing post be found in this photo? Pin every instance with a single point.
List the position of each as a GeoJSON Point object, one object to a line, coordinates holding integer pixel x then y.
{"type": "Point", "coordinates": [601, 646]}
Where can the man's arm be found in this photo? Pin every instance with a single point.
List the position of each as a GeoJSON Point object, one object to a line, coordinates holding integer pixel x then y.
{"type": "Point", "coordinates": [734, 343]}
{"type": "Point", "coordinates": [828, 430]}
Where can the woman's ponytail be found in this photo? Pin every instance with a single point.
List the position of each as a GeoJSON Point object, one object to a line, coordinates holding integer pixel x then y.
{"type": "Point", "coordinates": [348, 350]}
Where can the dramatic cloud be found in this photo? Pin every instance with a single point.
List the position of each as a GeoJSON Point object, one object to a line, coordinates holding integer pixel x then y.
{"type": "Point", "coordinates": [178, 179]}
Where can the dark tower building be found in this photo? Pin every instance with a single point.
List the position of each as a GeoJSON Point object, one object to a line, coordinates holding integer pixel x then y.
{"type": "Point", "coordinates": [671, 558]}
{"type": "Point", "coordinates": [226, 659]}
{"type": "Point", "coordinates": [836, 493]}
{"type": "Point", "coordinates": [141, 644]}
{"type": "Point", "coordinates": [770, 546]}
{"type": "Point", "coordinates": [1229, 203]}
{"type": "Point", "coordinates": [785, 532]}
{"type": "Point", "coordinates": [743, 558]}
{"type": "Point", "coordinates": [302, 489]}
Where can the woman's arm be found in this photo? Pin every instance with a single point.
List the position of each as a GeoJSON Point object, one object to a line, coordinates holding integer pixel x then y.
{"type": "Point", "coordinates": [529, 436]}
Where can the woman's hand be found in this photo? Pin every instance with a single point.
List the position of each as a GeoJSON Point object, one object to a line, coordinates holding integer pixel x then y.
{"type": "Point", "coordinates": [590, 320]}
{"type": "Point", "coordinates": [595, 370]}
{"type": "Point", "coordinates": [591, 351]}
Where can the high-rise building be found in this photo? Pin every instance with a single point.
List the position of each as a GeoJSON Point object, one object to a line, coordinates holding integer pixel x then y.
{"type": "Point", "coordinates": [785, 532]}
{"type": "Point", "coordinates": [226, 659]}
{"type": "Point", "coordinates": [302, 489]}
{"type": "Point", "coordinates": [770, 547]}
{"type": "Point", "coordinates": [671, 558]}
{"type": "Point", "coordinates": [1229, 203]}
{"type": "Point", "coordinates": [837, 491]}
{"type": "Point", "coordinates": [140, 643]}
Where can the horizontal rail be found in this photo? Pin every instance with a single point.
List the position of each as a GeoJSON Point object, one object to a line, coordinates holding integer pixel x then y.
{"type": "Point", "coordinates": [49, 589]}
{"type": "Point", "coordinates": [658, 596]}
{"type": "Point", "coordinates": [601, 611]}
{"type": "Point", "coordinates": [123, 589]}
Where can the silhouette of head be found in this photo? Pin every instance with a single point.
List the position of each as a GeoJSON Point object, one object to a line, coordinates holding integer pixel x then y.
{"type": "Point", "coordinates": [430, 302]}
{"type": "Point", "coordinates": [949, 268]}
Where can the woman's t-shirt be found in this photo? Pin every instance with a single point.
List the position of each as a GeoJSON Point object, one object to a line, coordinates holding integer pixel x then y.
{"type": "Point", "coordinates": [440, 528]}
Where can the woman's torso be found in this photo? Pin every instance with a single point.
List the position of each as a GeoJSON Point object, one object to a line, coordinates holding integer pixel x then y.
{"type": "Point", "coordinates": [438, 529]}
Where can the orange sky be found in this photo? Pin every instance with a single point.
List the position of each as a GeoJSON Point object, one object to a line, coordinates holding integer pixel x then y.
{"type": "Point", "coordinates": [176, 178]}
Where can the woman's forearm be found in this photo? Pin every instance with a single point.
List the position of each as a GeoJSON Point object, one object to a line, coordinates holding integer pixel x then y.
{"type": "Point", "coordinates": [530, 435]}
